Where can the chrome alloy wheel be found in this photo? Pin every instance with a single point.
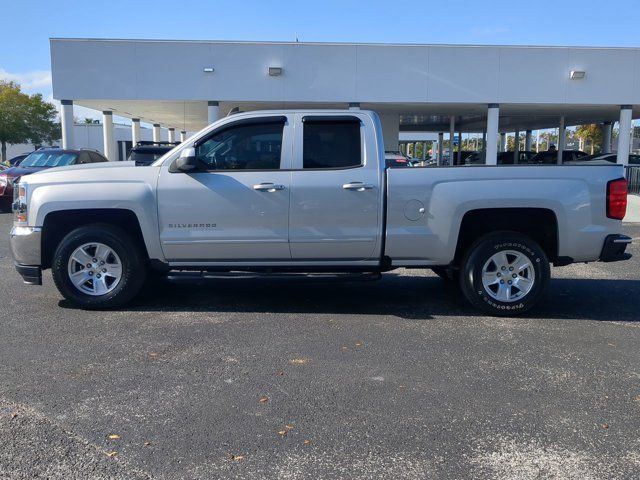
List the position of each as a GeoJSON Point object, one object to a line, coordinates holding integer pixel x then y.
{"type": "Point", "coordinates": [94, 269]}
{"type": "Point", "coordinates": [508, 276]}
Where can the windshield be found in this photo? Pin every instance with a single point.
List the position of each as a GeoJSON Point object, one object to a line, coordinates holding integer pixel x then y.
{"type": "Point", "coordinates": [49, 159]}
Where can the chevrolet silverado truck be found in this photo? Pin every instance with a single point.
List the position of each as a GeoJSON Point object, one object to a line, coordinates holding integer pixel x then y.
{"type": "Point", "coordinates": [307, 192]}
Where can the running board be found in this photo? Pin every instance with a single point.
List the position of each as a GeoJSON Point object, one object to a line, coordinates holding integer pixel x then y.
{"type": "Point", "coordinates": [351, 276]}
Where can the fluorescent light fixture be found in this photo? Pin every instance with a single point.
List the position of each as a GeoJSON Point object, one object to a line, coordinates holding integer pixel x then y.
{"type": "Point", "coordinates": [207, 69]}
{"type": "Point", "coordinates": [576, 74]}
{"type": "Point", "coordinates": [275, 71]}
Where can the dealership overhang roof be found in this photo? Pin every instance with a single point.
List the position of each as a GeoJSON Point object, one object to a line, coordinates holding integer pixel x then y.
{"type": "Point", "coordinates": [170, 82]}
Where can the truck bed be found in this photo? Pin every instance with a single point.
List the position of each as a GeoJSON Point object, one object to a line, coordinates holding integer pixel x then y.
{"type": "Point", "coordinates": [426, 206]}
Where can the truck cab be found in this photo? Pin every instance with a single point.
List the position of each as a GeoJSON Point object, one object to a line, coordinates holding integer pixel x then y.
{"type": "Point", "coordinates": [276, 189]}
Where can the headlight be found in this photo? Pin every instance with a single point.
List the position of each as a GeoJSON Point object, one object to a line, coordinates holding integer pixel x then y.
{"type": "Point", "coordinates": [20, 204]}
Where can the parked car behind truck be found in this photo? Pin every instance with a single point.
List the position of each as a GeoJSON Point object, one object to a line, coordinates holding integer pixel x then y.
{"type": "Point", "coordinates": [308, 191]}
{"type": "Point", "coordinates": [42, 159]}
{"type": "Point", "coordinates": [145, 152]}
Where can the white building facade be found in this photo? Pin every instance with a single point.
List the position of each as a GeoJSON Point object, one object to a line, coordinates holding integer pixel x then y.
{"type": "Point", "coordinates": [445, 90]}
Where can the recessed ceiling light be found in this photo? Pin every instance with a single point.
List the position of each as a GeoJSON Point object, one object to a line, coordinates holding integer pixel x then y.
{"type": "Point", "coordinates": [275, 71]}
{"type": "Point", "coordinates": [207, 69]}
{"type": "Point", "coordinates": [577, 74]}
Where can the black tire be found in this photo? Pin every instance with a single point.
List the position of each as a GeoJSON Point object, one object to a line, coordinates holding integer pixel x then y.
{"type": "Point", "coordinates": [5, 205]}
{"type": "Point", "coordinates": [480, 253]}
{"type": "Point", "coordinates": [134, 266]}
{"type": "Point", "coordinates": [447, 274]}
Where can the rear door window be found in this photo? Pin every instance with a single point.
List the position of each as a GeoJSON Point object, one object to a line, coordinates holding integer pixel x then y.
{"type": "Point", "coordinates": [329, 143]}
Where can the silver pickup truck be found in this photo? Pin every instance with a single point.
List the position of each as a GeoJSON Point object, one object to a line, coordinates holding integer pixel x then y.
{"type": "Point", "coordinates": [308, 191]}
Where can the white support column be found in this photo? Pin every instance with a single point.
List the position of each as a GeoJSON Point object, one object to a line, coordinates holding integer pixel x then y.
{"type": "Point", "coordinates": [213, 111]}
{"type": "Point", "coordinates": [107, 134]}
{"type": "Point", "coordinates": [562, 132]}
{"type": "Point", "coordinates": [424, 151]}
{"type": "Point", "coordinates": [440, 147]}
{"type": "Point", "coordinates": [172, 135]}
{"type": "Point", "coordinates": [452, 134]}
{"type": "Point", "coordinates": [503, 141]}
{"type": "Point", "coordinates": [624, 139]}
{"type": "Point", "coordinates": [607, 127]}
{"type": "Point", "coordinates": [135, 131]}
{"type": "Point", "coordinates": [66, 119]}
{"type": "Point", "coordinates": [354, 106]}
{"type": "Point", "coordinates": [537, 141]}
{"type": "Point", "coordinates": [527, 141]}
{"type": "Point", "coordinates": [516, 146]}
{"type": "Point", "coordinates": [156, 132]}
{"type": "Point", "coordinates": [183, 135]}
{"type": "Point", "coordinates": [493, 119]}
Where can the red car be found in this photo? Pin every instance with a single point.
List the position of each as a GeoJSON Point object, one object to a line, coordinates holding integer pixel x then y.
{"type": "Point", "coordinates": [40, 160]}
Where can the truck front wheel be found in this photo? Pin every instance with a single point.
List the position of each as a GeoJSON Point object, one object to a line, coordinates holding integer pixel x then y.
{"type": "Point", "coordinates": [504, 274]}
{"type": "Point", "coordinates": [98, 266]}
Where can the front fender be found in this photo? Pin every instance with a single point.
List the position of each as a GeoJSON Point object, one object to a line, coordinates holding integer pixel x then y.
{"type": "Point", "coordinates": [135, 196]}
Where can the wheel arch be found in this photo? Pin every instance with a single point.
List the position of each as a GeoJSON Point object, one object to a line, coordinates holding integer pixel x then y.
{"type": "Point", "coordinates": [540, 224]}
{"type": "Point", "coordinates": [59, 223]}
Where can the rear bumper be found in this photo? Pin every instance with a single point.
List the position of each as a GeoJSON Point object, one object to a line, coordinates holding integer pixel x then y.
{"type": "Point", "coordinates": [614, 248]}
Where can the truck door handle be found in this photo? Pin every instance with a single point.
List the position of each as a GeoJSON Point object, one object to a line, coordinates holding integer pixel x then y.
{"type": "Point", "coordinates": [268, 187]}
{"type": "Point", "coordinates": [357, 186]}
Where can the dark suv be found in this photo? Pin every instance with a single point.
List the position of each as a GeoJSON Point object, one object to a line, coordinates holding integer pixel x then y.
{"type": "Point", "coordinates": [503, 158]}
{"type": "Point", "coordinates": [41, 160]}
{"type": "Point", "coordinates": [145, 153]}
{"type": "Point", "coordinates": [550, 157]}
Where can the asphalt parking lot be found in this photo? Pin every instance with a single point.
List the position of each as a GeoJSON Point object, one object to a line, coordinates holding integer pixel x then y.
{"type": "Point", "coordinates": [306, 379]}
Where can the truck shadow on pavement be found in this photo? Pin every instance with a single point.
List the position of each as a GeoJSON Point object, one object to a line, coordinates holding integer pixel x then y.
{"type": "Point", "coordinates": [403, 296]}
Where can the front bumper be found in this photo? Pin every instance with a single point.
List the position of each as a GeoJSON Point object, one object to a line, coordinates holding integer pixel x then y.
{"type": "Point", "coordinates": [614, 248]}
{"type": "Point", "coordinates": [26, 246]}
{"type": "Point", "coordinates": [31, 275]}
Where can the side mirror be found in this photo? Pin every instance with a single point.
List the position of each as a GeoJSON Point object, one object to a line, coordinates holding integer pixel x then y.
{"type": "Point", "coordinates": [187, 161]}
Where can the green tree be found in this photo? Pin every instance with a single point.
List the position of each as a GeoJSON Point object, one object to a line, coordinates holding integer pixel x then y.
{"type": "Point", "coordinates": [592, 134]}
{"type": "Point", "coordinates": [25, 118]}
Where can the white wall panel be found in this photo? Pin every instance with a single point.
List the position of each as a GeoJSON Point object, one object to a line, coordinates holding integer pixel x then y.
{"type": "Point", "coordinates": [463, 74]}
{"type": "Point", "coordinates": [242, 72]}
{"type": "Point", "coordinates": [84, 69]}
{"type": "Point", "coordinates": [320, 73]}
{"type": "Point", "coordinates": [392, 73]}
{"type": "Point", "coordinates": [532, 75]}
{"type": "Point", "coordinates": [168, 68]}
{"type": "Point", "coordinates": [609, 75]}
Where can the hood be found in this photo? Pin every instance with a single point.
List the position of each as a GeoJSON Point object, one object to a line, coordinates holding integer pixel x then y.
{"type": "Point", "coordinates": [14, 172]}
{"type": "Point", "coordinates": [91, 166]}
{"type": "Point", "coordinates": [107, 173]}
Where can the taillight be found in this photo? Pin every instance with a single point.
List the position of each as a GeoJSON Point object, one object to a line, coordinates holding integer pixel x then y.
{"type": "Point", "coordinates": [617, 198]}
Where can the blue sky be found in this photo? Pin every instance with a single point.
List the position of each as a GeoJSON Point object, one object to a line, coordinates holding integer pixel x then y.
{"type": "Point", "coordinates": [27, 25]}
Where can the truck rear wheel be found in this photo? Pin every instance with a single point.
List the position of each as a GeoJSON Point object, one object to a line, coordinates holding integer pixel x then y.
{"type": "Point", "coordinates": [504, 274]}
{"type": "Point", "coordinates": [98, 266]}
